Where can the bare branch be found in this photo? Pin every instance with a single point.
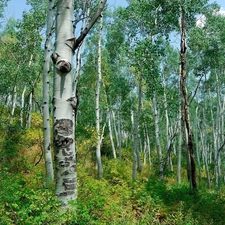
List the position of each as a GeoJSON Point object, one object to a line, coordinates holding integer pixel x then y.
{"type": "Point", "coordinates": [90, 25]}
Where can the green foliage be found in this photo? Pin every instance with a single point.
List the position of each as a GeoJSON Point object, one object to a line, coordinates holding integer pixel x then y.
{"type": "Point", "coordinates": [22, 205]}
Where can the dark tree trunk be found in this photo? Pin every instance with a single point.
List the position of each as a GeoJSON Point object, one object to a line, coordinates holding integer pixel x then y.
{"type": "Point", "coordinates": [190, 144]}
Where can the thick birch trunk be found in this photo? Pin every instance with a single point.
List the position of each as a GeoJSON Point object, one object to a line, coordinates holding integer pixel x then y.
{"type": "Point", "coordinates": [45, 106]}
{"type": "Point", "coordinates": [64, 142]}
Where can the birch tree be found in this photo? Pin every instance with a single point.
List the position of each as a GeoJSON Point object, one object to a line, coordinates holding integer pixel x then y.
{"type": "Point", "coordinates": [97, 106]}
{"type": "Point", "coordinates": [45, 107]}
{"type": "Point", "coordinates": [64, 100]}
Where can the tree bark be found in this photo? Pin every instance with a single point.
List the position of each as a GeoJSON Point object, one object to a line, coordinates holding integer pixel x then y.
{"type": "Point", "coordinates": [45, 106]}
{"type": "Point", "coordinates": [190, 142]}
{"type": "Point", "coordinates": [64, 142]}
{"type": "Point", "coordinates": [159, 150]}
{"type": "Point", "coordinates": [136, 154]}
{"type": "Point", "coordinates": [97, 106]}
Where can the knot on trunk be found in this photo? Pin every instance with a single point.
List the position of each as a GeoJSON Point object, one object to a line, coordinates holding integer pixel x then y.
{"type": "Point", "coordinates": [62, 64]}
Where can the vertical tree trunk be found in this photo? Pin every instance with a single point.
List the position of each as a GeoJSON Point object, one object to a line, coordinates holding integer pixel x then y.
{"type": "Point", "coordinates": [45, 106]}
{"type": "Point", "coordinates": [196, 143]}
{"type": "Point", "coordinates": [136, 154]}
{"type": "Point", "coordinates": [159, 150]}
{"type": "Point", "coordinates": [149, 149]}
{"type": "Point", "coordinates": [111, 134]}
{"type": "Point", "coordinates": [13, 103]}
{"type": "Point", "coordinates": [168, 140]}
{"type": "Point", "coordinates": [97, 107]}
{"type": "Point", "coordinates": [29, 109]}
{"type": "Point", "coordinates": [22, 106]}
{"type": "Point", "coordinates": [64, 142]}
{"type": "Point", "coordinates": [192, 174]}
{"type": "Point", "coordinates": [217, 134]}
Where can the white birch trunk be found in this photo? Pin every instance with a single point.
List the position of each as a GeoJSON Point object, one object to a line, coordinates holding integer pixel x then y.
{"type": "Point", "coordinates": [149, 149]}
{"type": "Point", "coordinates": [111, 134]}
{"type": "Point", "coordinates": [196, 143]}
{"type": "Point", "coordinates": [217, 134]}
{"type": "Point", "coordinates": [97, 107]}
{"type": "Point", "coordinates": [13, 103]}
{"type": "Point", "coordinates": [168, 141]}
{"type": "Point", "coordinates": [45, 106]}
{"type": "Point", "coordinates": [136, 155]}
{"type": "Point", "coordinates": [159, 150]}
{"type": "Point", "coordinates": [179, 149]}
{"type": "Point", "coordinates": [64, 142]}
{"type": "Point", "coordinates": [29, 110]}
{"type": "Point", "coordinates": [22, 106]}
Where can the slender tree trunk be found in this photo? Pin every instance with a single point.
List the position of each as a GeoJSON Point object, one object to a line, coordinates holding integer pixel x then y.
{"type": "Point", "coordinates": [196, 143]}
{"type": "Point", "coordinates": [45, 106]}
{"type": "Point", "coordinates": [111, 134]}
{"type": "Point", "coordinates": [179, 150]}
{"type": "Point", "coordinates": [22, 106]}
{"type": "Point", "coordinates": [29, 109]}
{"type": "Point", "coordinates": [159, 150]}
{"type": "Point", "coordinates": [205, 157]}
{"type": "Point", "coordinates": [13, 103]}
{"type": "Point", "coordinates": [217, 134]}
{"type": "Point", "coordinates": [136, 154]}
{"type": "Point", "coordinates": [149, 149]}
{"type": "Point", "coordinates": [97, 107]}
{"type": "Point", "coordinates": [190, 141]}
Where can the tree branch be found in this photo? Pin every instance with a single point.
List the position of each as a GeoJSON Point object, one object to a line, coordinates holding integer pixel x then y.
{"type": "Point", "coordinates": [90, 25]}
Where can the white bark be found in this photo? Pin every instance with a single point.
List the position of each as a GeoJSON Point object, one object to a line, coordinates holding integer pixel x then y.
{"type": "Point", "coordinates": [29, 110]}
{"type": "Point", "coordinates": [196, 143]}
{"type": "Point", "coordinates": [168, 140]}
{"type": "Point", "coordinates": [45, 106]}
{"type": "Point", "coordinates": [97, 106]}
{"type": "Point", "coordinates": [22, 106]}
{"type": "Point", "coordinates": [65, 155]}
{"type": "Point", "coordinates": [136, 155]}
{"type": "Point", "coordinates": [111, 134]}
{"type": "Point", "coordinates": [159, 150]}
{"type": "Point", "coordinates": [13, 103]}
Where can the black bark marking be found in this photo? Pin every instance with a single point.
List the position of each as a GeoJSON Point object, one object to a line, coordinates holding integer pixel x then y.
{"type": "Point", "coordinates": [66, 193]}
{"type": "Point", "coordinates": [72, 169]}
{"type": "Point", "coordinates": [65, 173]}
{"type": "Point", "coordinates": [66, 152]}
{"type": "Point", "coordinates": [64, 164]}
{"type": "Point", "coordinates": [69, 184]}
{"type": "Point", "coordinates": [64, 127]}
{"type": "Point", "coordinates": [63, 142]}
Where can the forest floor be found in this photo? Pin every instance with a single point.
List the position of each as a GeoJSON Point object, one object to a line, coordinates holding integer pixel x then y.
{"type": "Point", "coordinates": [115, 199]}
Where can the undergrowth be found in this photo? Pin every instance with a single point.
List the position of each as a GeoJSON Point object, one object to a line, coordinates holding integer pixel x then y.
{"type": "Point", "coordinates": [114, 200]}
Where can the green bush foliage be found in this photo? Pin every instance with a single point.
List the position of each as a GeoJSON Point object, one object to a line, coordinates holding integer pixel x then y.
{"type": "Point", "coordinates": [114, 200]}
